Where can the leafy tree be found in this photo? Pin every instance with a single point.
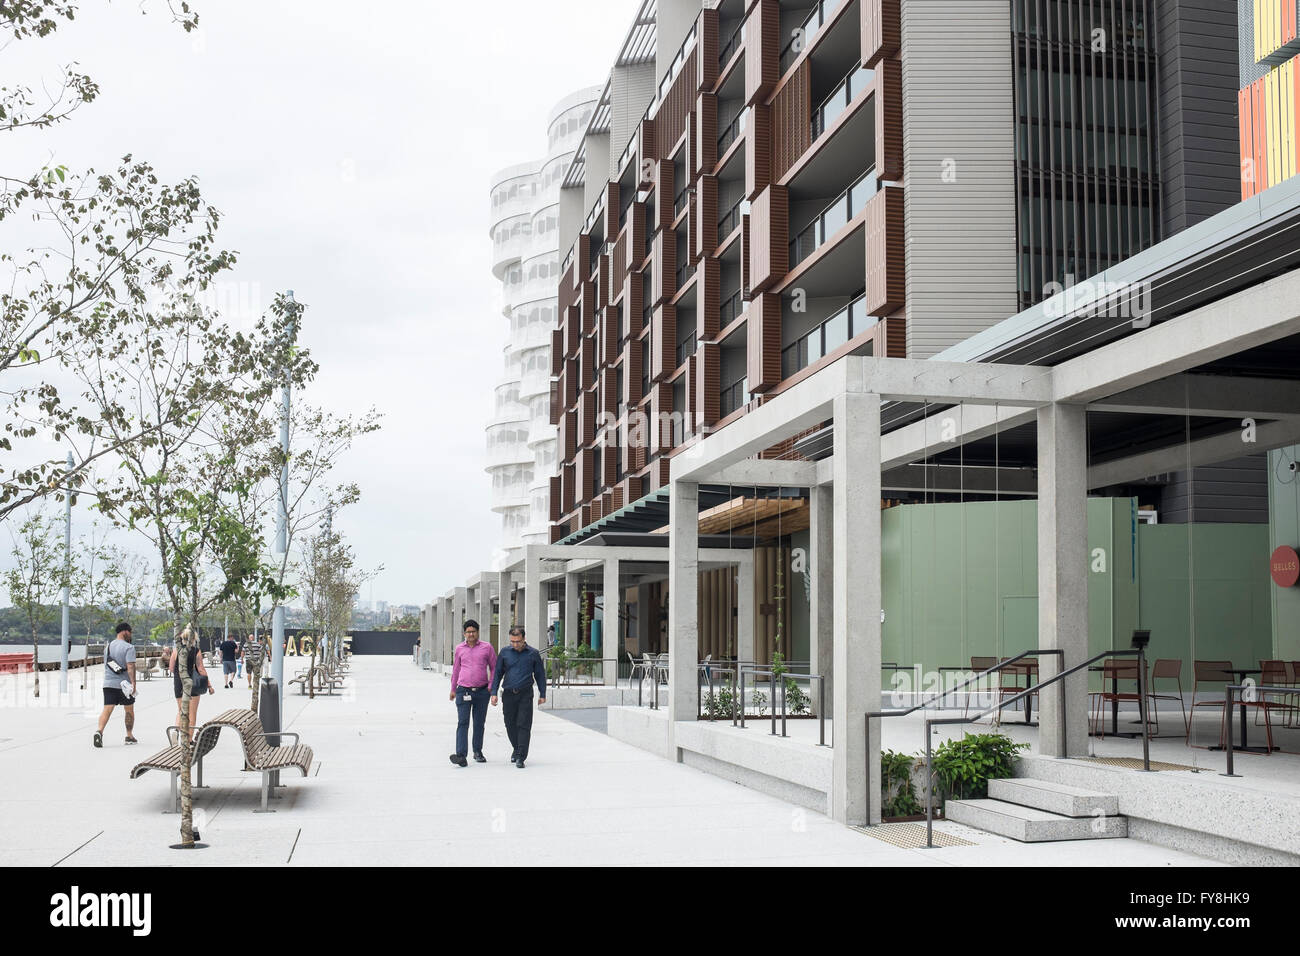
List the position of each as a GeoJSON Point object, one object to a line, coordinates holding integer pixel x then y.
{"type": "Point", "coordinates": [105, 244]}
{"type": "Point", "coordinates": [36, 578]}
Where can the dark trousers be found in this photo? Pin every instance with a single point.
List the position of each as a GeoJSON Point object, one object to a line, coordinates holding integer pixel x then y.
{"type": "Point", "coordinates": [477, 705]}
{"type": "Point", "coordinates": [517, 706]}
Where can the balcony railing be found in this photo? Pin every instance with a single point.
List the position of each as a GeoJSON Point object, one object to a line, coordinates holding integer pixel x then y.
{"type": "Point", "coordinates": [680, 200]}
{"type": "Point", "coordinates": [730, 310]}
{"type": "Point", "coordinates": [735, 396]}
{"type": "Point", "coordinates": [830, 108]}
{"type": "Point", "coordinates": [848, 322]}
{"type": "Point", "coordinates": [801, 38]}
{"type": "Point", "coordinates": [730, 47]}
{"type": "Point", "coordinates": [729, 221]}
{"type": "Point", "coordinates": [733, 130]}
{"type": "Point", "coordinates": [830, 220]}
{"type": "Point", "coordinates": [685, 349]}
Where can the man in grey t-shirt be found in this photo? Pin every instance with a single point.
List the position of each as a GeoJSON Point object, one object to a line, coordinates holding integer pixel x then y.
{"type": "Point", "coordinates": [119, 682]}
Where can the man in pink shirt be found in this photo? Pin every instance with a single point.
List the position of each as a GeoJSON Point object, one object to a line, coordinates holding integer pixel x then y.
{"type": "Point", "coordinates": [471, 672]}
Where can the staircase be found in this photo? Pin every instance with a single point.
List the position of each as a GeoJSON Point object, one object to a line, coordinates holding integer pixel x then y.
{"type": "Point", "coordinates": [1040, 811]}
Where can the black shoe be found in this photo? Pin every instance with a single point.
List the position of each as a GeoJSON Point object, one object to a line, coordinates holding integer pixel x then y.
{"type": "Point", "coordinates": [99, 739]}
{"type": "Point", "coordinates": [514, 756]}
{"type": "Point", "coordinates": [459, 761]}
{"type": "Point", "coordinates": [479, 758]}
{"type": "Point", "coordinates": [519, 764]}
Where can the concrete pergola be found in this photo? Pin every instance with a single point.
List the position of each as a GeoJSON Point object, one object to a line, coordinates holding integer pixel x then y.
{"type": "Point", "coordinates": [1147, 371]}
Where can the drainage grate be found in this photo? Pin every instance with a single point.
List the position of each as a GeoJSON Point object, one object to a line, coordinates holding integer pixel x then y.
{"type": "Point", "coordinates": [1132, 763]}
{"type": "Point", "coordinates": [910, 836]}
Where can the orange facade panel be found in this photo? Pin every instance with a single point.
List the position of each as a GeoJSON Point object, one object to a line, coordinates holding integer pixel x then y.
{"type": "Point", "coordinates": [769, 238]}
{"type": "Point", "coordinates": [886, 289]}
{"type": "Point", "coordinates": [791, 120]}
{"type": "Point", "coordinates": [888, 83]}
{"type": "Point", "coordinates": [1246, 143]}
{"type": "Point", "coordinates": [881, 30]}
{"type": "Point", "coordinates": [763, 342]}
{"type": "Point", "coordinates": [762, 50]}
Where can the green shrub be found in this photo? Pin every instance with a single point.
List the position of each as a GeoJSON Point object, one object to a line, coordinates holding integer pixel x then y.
{"type": "Point", "coordinates": [720, 704]}
{"type": "Point", "coordinates": [897, 794]}
{"type": "Point", "coordinates": [963, 768]}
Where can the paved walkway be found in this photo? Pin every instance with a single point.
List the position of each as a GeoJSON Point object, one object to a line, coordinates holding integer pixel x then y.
{"type": "Point", "coordinates": [384, 793]}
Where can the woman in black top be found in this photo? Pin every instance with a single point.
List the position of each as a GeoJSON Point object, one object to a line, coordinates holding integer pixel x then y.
{"type": "Point", "coordinates": [199, 676]}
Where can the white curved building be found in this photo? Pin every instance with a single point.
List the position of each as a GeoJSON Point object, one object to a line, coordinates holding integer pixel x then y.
{"type": "Point", "coordinates": [521, 452]}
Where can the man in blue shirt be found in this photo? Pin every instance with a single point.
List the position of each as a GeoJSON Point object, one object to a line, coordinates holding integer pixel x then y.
{"type": "Point", "coordinates": [517, 667]}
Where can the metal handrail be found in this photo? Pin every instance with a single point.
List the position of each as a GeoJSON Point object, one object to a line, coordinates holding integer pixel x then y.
{"type": "Point", "coordinates": [573, 663]}
{"type": "Point", "coordinates": [1001, 665]}
{"type": "Point", "coordinates": [1139, 653]}
{"type": "Point", "coordinates": [783, 675]}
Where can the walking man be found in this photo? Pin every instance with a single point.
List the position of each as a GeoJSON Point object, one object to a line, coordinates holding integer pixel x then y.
{"type": "Point", "coordinates": [471, 671]}
{"type": "Point", "coordinates": [517, 667]}
{"type": "Point", "coordinates": [229, 655]}
{"type": "Point", "coordinates": [119, 683]}
{"type": "Point", "coordinates": [254, 651]}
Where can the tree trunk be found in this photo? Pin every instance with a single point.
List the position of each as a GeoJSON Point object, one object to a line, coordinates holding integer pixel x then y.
{"type": "Point", "coordinates": [36, 664]}
{"type": "Point", "coordinates": [257, 680]}
{"type": "Point", "coordinates": [187, 795]}
{"type": "Point", "coordinates": [311, 673]}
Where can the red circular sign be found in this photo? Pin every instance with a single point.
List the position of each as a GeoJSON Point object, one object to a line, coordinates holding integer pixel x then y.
{"type": "Point", "coordinates": [1285, 567]}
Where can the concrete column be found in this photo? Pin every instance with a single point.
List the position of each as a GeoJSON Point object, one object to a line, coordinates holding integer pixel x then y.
{"type": "Point", "coordinates": [644, 619]}
{"type": "Point", "coordinates": [484, 613]}
{"type": "Point", "coordinates": [745, 607]}
{"type": "Point", "coordinates": [1063, 574]}
{"type": "Point", "coordinates": [572, 595]}
{"type": "Point", "coordinates": [855, 633]}
{"type": "Point", "coordinates": [505, 620]}
{"type": "Point", "coordinates": [445, 628]}
{"type": "Point", "coordinates": [683, 599]}
{"type": "Point", "coordinates": [426, 629]}
{"type": "Point", "coordinates": [821, 565]}
{"type": "Point", "coordinates": [611, 638]}
{"type": "Point", "coordinates": [534, 601]}
{"type": "Point", "coordinates": [459, 614]}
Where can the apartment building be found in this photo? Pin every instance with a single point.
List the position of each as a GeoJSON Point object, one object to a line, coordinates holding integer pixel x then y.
{"type": "Point", "coordinates": [525, 258]}
{"type": "Point", "coordinates": [768, 186]}
{"type": "Point", "coordinates": [1269, 99]}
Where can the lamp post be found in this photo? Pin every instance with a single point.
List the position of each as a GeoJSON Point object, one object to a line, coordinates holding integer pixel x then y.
{"type": "Point", "coordinates": [67, 580]}
{"type": "Point", "coordinates": [281, 528]}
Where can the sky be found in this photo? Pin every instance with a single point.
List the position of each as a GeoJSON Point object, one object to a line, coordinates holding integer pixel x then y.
{"type": "Point", "coordinates": [349, 148]}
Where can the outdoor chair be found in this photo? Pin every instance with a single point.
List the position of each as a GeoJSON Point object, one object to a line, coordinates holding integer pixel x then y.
{"type": "Point", "coordinates": [1114, 672]}
{"type": "Point", "coordinates": [1210, 672]}
{"type": "Point", "coordinates": [977, 665]}
{"type": "Point", "coordinates": [637, 665]}
{"type": "Point", "coordinates": [661, 669]}
{"type": "Point", "coordinates": [1275, 674]}
{"type": "Point", "coordinates": [1167, 668]}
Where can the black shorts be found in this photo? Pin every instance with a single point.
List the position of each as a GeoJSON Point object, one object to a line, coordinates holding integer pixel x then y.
{"type": "Point", "coordinates": [114, 696]}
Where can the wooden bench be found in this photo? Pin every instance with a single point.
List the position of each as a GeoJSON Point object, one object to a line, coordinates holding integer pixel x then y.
{"type": "Point", "coordinates": [172, 759]}
{"type": "Point", "coordinates": [261, 757]}
{"type": "Point", "coordinates": [146, 672]}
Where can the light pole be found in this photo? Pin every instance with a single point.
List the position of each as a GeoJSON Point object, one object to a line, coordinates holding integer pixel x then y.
{"type": "Point", "coordinates": [67, 580]}
{"type": "Point", "coordinates": [282, 524]}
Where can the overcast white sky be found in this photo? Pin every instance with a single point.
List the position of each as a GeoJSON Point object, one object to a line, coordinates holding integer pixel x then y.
{"type": "Point", "coordinates": [349, 147]}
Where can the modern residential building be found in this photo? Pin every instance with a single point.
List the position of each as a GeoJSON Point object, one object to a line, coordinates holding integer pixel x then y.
{"type": "Point", "coordinates": [525, 257]}
{"type": "Point", "coordinates": [1269, 101]}
{"type": "Point", "coordinates": [899, 334]}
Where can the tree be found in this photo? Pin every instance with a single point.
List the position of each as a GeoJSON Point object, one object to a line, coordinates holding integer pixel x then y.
{"type": "Point", "coordinates": [38, 575]}
{"type": "Point", "coordinates": [104, 245]}
{"type": "Point", "coordinates": [330, 581]}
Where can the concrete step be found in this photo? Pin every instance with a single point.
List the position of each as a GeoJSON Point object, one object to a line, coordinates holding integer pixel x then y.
{"type": "Point", "coordinates": [1029, 825]}
{"type": "Point", "coordinates": [1054, 797]}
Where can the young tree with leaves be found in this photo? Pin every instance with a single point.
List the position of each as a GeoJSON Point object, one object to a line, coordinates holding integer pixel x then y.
{"type": "Point", "coordinates": [36, 579]}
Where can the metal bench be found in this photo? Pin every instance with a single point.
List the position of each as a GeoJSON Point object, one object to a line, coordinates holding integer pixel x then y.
{"type": "Point", "coordinates": [171, 760]}
{"type": "Point", "coordinates": [261, 757]}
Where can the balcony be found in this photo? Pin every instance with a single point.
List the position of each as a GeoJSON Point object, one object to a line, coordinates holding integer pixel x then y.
{"type": "Point", "coordinates": [830, 108]}
{"type": "Point", "coordinates": [733, 130]}
{"type": "Point", "coordinates": [730, 46]}
{"type": "Point", "coordinates": [734, 396]}
{"type": "Point", "coordinates": [830, 220]}
{"type": "Point", "coordinates": [730, 310]}
{"type": "Point", "coordinates": [817, 18]}
{"type": "Point", "coordinates": [685, 349]}
{"type": "Point", "coordinates": [728, 223]}
{"type": "Point", "coordinates": [681, 199]}
{"type": "Point", "coordinates": [683, 271]}
{"type": "Point", "coordinates": [848, 322]}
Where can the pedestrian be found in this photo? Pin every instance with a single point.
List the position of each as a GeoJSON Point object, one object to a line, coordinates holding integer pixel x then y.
{"type": "Point", "coordinates": [119, 683]}
{"type": "Point", "coordinates": [471, 671]}
{"type": "Point", "coordinates": [254, 652]}
{"type": "Point", "coordinates": [229, 657]}
{"type": "Point", "coordinates": [198, 676]}
{"type": "Point", "coordinates": [517, 667]}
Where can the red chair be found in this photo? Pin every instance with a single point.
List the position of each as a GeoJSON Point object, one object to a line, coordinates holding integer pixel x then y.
{"type": "Point", "coordinates": [1209, 672]}
{"type": "Point", "coordinates": [1167, 668]}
